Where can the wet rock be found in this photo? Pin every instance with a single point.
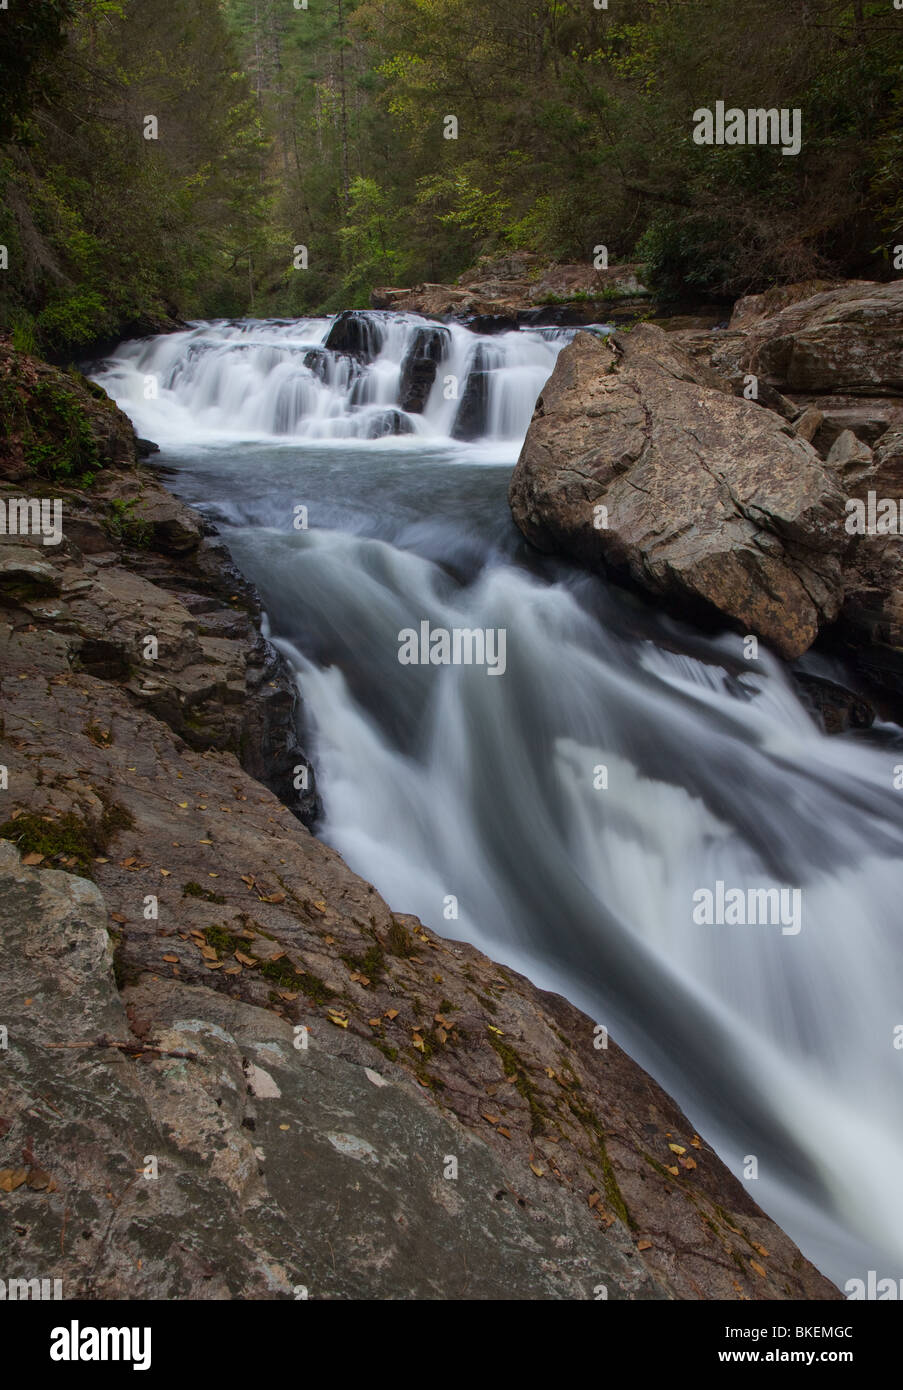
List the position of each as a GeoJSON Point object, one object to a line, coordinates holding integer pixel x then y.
{"type": "Point", "coordinates": [428, 347]}
{"type": "Point", "coordinates": [388, 422]}
{"type": "Point", "coordinates": [470, 421]}
{"type": "Point", "coordinates": [356, 333]}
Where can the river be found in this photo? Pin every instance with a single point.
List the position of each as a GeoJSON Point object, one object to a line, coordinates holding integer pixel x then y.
{"type": "Point", "coordinates": [569, 808]}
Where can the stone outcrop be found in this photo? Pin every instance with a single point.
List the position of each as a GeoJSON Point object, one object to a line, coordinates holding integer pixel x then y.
{"type": "Point", "coordinates": [172, 936]}
{"type": "Point", "coordinates": [738, 504]}
{"type": "Point", "coordinates": [520, 287]}
{"type": "Point", "coordinates": [708, 499]}
{"type": "Point", "coordinates": [842, 341]}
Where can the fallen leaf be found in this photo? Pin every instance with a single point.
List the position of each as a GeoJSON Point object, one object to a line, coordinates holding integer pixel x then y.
{"type": "Point", "coordinates": [182, 805]}
{"type": "Point", "coordinates": [492, 1119]}
{"type": "Point", "coordinates": [320, 905]}
{"type": "Point", "coordinates": [644, 1245]}
{"type": "Point", "coordinates": [171, 960]}
{"type": "Point", "coordinates": [374, 1022]}
{"type": "Point", "coordinates": [11, 1178]}
{"type": "Point", "coordinates": [285, 1126]}
{"type": "Point", "coordinates": [40, 1181]}
{"type": "Point", "coordinates": [688, 1162]}
{"type": "Point", "coordinates": [594, 1199]}
{"type": "Point", "coordinates": [245, 960]}
{"type": "Point", "coordinates": [537, 1170]}
{"type": "Point", "coordinates": [441, 1035]}
{"type": "Point", "coordinates": [506, 1132]}
{"type": "Point", "coordinates": [118, 917]}
{"type": "Point", "coordinates": [495, 1030]}
{"type": "Point", "coordinates": [214, 965]}
{"type": "Point", "coordinates": [696, 1142]}
{"type": "Point", "coordinates": [32, 858]}
{"type": "Point", "coordinates": [677, 1149]}
{"type": "Point", "coordinates": [760, 1249]}
{"type": "Point", "coordinates": [759, 1270]}
{"type": "Point", "coordinates": [391, 1013]}
{"type": "Point", "coordinates": [675, 1172]}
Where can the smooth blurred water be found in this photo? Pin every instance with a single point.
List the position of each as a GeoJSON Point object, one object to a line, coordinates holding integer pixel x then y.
{"type": "Point", "coordinates": [442, 781]}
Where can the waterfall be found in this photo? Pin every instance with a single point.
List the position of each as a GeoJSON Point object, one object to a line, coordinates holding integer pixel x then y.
{"type": "Point", "coordinates": [443, 785]}
{"type": "Point", "coordinates": [359, 376]}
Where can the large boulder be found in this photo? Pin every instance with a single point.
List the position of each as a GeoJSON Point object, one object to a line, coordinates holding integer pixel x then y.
{"type": "Point", "coordinates": [847, 340]}
{"type": "Point", "coordinates": [639, 459]}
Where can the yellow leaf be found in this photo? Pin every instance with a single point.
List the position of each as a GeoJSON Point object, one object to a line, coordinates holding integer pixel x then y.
{"type": "Point", "coordinates": [183, 805]}
{"type": "Point", "coordinates": [391, 1013]}
{"type": "Point", "coordinates": [674, 1171]}
{"type": "Point", "coordinates": [537, 1170]}
{"type": "Point", "coordinates": [495, 1030]}
{"type": "Point", "coordinates": [758, 1268]}
{"type": "Point", "coordinates": [677, 1149]}
{"type": "Point", "coordinates": [11, 1178]}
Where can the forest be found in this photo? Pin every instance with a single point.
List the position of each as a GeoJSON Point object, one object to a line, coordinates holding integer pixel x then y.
{"type": "Point", "coordinates": [230, 157]}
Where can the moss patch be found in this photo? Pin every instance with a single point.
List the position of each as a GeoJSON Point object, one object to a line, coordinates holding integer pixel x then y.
{"type": "Point", "coordinates": [276, 972]}
{"type": "Point", "coordinates": [513, 1065]}
{"type": "Point", "coordinates": [194, 890]}
{"type": "Point", "coordinates": [68, 837]}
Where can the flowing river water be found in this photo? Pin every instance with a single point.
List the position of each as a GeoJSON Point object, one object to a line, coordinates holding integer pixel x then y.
{"type": "Point", "coordinates": [444, 782]}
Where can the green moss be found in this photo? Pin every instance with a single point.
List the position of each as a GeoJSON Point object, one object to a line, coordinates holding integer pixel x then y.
{"type": "Point", "coordinates": [372, 964]}
{"type": "Point", "coordinates": [67, 837]}
{"type": "Point", "coordinates": [125, 527]}
{"type": "Point", "coordinates": [613, 1195]}
{"type": "Point", "coordinates": [386, 1049]}
{"type": "Point", "coordinates": [101, 738]}
{"type": "Point", "coordinates": [446, 1006]}
{"type": "Point", "coordinates": [399, 941]}
{"type": "Point", "coordinates": [277, 972]}
{"type": "Point", "coordinates": [513, 1065]}
{"type": "Point", "coordinates": [55, 430]}
{"type": "Point", "coordinates": [194, 890]}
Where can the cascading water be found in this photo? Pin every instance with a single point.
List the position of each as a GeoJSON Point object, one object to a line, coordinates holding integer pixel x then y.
{"type": "Point", "coordinates": [442, 780]}
{"type": "Point", "coordinates": [388, 375]}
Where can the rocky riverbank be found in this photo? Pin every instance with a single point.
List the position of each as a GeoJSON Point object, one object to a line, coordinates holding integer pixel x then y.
{"type": "Point", "coordinates": [500, 292]}
{"type": "Point", "coordinates": [723, 471]}
{"type": "Point", "coordinates": [231, 1070]}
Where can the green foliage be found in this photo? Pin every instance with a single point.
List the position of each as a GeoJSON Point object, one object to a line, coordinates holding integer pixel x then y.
{"type": "Point", "coordinates": [55, 431]}
{"type": "Point", "coordinates": [125, 527]}
{"type": "Point", "coordinates": [108, 231]}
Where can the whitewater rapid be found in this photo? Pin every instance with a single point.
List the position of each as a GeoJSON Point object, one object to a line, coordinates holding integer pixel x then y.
{"type": "Point", "coordinates": [441, 784]}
